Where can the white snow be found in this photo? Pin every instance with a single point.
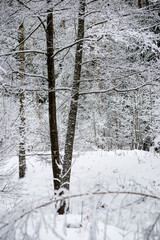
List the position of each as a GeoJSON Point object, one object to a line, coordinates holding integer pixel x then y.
{"type": "Point", "coordinates": [101, 217]}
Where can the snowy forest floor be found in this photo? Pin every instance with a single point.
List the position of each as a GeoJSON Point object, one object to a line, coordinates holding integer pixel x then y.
{"type": "Point", "coordinates": [27, 206]}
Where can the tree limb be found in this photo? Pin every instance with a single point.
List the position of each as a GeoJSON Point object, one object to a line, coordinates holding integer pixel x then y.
{"type": "Point", "coordinates": [117, 90]}
{"type": "Point", "coordinates": [31, 75]}
{"type": "Point", "coordinates": [28, 36]}
{"type": "Point", "coordinates": [25, 51]}
{"type": "Point", "coordinates": [69, 46]}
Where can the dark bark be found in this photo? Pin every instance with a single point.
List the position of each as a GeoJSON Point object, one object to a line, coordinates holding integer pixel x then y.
{"type": "Point", "coordinates": [52, 102]}
{"type": "Point", "coordinates": [139, 4]}
{"type": "Point", "coordinates": [22, 158]}
{"type": "Point", "coordinates": [74, 100]}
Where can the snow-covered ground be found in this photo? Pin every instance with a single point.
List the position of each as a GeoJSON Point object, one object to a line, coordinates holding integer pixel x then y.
{"type": "Point", "coordinates": [28, 211]}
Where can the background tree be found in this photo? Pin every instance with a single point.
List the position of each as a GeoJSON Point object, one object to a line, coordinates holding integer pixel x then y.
{"type": "Point", "coordinates": [22, 158]}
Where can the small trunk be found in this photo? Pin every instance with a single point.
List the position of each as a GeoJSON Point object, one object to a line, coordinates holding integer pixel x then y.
{"type": "Point", "coordinates": [52, 102]}
{"type": "Point", "coordinates": [22, 158]}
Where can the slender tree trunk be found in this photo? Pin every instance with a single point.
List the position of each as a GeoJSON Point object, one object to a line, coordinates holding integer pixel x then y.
{"type": "Point", "coordinates": [74, 100]}
{"type": "Point", "coordinates": [52, 102]}
{"type": "Point", "coordinates": [22, 158]}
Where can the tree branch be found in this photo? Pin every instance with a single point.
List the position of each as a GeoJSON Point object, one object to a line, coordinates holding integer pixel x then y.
{"type": "Point", "coordinates": [31, 75]}
{"type": "Point", "coordinates": [25, 51]}
{"type": "Point", "coordinates": [117, 90]}
{"type": "Point", "coordinates": [42, 23]}
{"type": "Point", "coordinates": [48, 90]}
{"type": "Point", "coordinates": [28, 36]}
{"type": "Point", "coordinates": [98, 23]}
{"type": "Point", "coordinates": [69, 46]}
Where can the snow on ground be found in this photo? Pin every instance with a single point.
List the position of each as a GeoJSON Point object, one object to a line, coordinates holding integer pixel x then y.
{"type": "Point", "coordinates": [101, 217]}
{"type": "Point", "coordinates": [114, 170]}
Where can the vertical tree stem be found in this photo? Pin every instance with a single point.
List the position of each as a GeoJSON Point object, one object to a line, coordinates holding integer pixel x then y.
{"type": "Point", "coordinates": [22, 158]}
{"type": "Point", "coordinates": [74, 100]}
{"type": "Point", "coordinates": [52, 101]}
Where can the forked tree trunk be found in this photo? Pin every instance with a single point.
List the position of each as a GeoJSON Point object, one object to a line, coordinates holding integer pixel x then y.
{"type": "Point", "coordinates": [67, 162]}
{"type": "Point", "coordinates": [22, 158]}
{"type": "Point", "coordinates": [52, 102]}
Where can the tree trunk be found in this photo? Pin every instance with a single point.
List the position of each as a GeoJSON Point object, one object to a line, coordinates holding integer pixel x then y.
{"type": "Point", "coordinates": [22, 158]}
{"type": "Point", "coordinates": [139, 4]}
{"type": "Point", "coordinates": [52, 102]}
{"type": "Point", "coordinates": [74, 100]}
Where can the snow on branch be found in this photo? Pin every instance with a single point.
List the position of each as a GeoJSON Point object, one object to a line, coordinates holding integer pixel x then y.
{"type": "Point", "coordinates": [98, 23]}
{"type": "Point", "coordinates": [31, 75]}
{"type": "Point", "coordinates": [117, 90]}
{"type": "Point", "coordinates": [29, 35]}
{"type": "Point", "coordinates": [8, 88]}
{"type": "Point", "coordinates": [24, 51]}
{"type": "Point", "coordinates": [48, 90]}
{"type": "Point", "coordinates": [70, 45]}
{"type": "Point", "coordinates": [81, 93]}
